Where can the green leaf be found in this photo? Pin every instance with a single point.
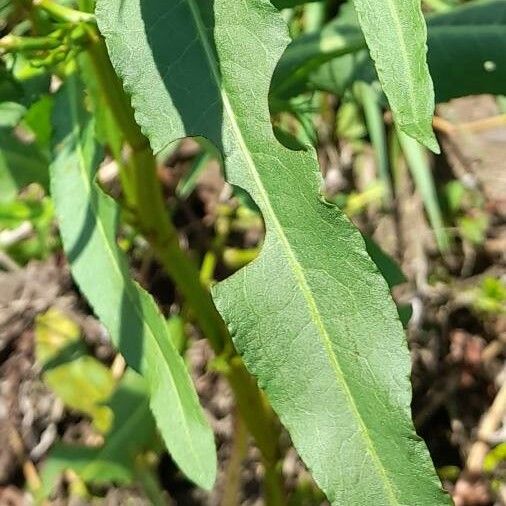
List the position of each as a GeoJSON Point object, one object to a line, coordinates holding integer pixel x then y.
{"type": "Point", "coordinates": [132, 432]}
{"type": "Point", "coordinates": [467, 50]}
{"type": "Point", "coordinates": [307, 53]}
{"type": "Point", "coordinates": [396, 35]}
{"type": "Point", "coordinates": [466, 54]}
{"type": "Point", "coordinates": [311, 315]}
{"type": "Point", "coordinates": [88, 219]}
{"type": "Point", "coordinates": [418, 163]}
{"type": "Point", "coordinates": [21, 163]}
{"type": "Point", "coordinates": [11, 114]}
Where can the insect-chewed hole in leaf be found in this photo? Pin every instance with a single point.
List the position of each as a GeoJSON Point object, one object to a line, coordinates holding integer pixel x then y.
{"type": "Point", "coordinates": [217, 221]}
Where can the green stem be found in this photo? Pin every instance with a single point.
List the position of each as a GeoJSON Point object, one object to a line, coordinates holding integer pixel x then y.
{"type": "Point", "coordinates": [13, 43]}
{"type": "Point", "coordinates": [162, 235]}
{"type": "Point", "coordinates": [145, 194]}
{"type": "Point", "coordinates": [273, 484]}
{"type": "Point", "coordinates": [376, 128]}
{"type": "Point", "coordinates": [232, 481]}
{"type": "Point", "coordinates": [62, 13]}
{"type": "Point", "coordinates": [208, 267]}
{"type": "Point", "coordinates": [255, 410]}
{"type": "Point", "coordinates": [146, 477]}
{"type": "Point", "coordinates": [263, 425]}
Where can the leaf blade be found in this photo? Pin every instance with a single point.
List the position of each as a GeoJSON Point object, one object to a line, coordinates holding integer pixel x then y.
{"type": "Point", "coordinates": [396, 35]}
{"type": "Point", "coordinates": [87, 219]}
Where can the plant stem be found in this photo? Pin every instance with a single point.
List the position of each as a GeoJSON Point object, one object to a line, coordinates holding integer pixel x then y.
{"type": "Point", "coordinates": [144, 194]}
{"type": "Point", "coordinates": [232, 481]}
{"type": "Point", "coordinates": [62, 13]}
{"type": "Point", "coordinates": [145, 198]}
{"type": "Point", "coordinates": [263, 426]}
{"type": "Point", "coordinates": [13, 43]}
{"type": "Point", "coordinates": [145, 475]}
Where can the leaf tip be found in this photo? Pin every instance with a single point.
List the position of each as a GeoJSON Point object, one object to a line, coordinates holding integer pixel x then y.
{"type": "Point", "coordinates": [208, 477]}
{"type": "Point", "coordinates": [432, 143]}
{"type": "Point", "coordinates": [424, 134]}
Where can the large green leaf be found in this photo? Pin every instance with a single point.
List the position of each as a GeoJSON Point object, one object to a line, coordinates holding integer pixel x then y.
{"type": "Point", "coordinates": [466, 55]}
{"type": "Point", "coordinates": [396, 34]}
{"type": "Point", "coordinates": [88, 219]}
{"type": "Point", "coordinates": [311, 315]}
{"type": "Point", "coordinates": [467, 50]}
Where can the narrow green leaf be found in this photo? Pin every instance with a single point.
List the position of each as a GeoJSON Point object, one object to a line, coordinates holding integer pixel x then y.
{"type": "Point", "coordinates": [311, 315]}
{"type": "Point", "coordinates": [188, 182]}
{"type": "Point", "coordinates": [307, 53]}
{"type": "Point", "coordinates": [467, 48]}
{"type": "Point", "coordinates": [418, 163]}
{"type": "Point", "coordinates": [370, 99]}
{"type": "Point", "coordinates": [396, 34]}
{"type": "Point", "coordinates": [88, 219]}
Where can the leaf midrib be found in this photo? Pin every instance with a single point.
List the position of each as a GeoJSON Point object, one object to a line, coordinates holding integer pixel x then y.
{"type": "Point", "coordinates": [295, 266]}
{"type": "Point", "coordinates": [86, 182]}
{"type": "Point", "coordinates": [405, 57]}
